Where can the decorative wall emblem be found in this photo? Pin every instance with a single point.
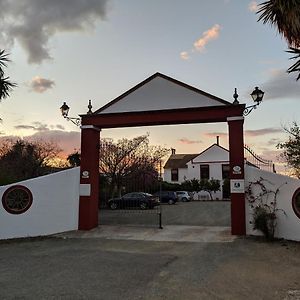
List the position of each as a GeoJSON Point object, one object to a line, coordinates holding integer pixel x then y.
{"type": "Point", "coordinates": [296, 202]}
{"type": "Point", "coordinates": [237, 170]}
{"type": "Point", "coordinates": [85, 174]}
{"type": "Point", "coordinates": [17, 199]}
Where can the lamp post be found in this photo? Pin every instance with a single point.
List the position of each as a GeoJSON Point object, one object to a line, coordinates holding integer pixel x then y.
{"type": "Point", "coordinates": [65, 111]}
{"type": "Point", "coordinates": [257, 96]}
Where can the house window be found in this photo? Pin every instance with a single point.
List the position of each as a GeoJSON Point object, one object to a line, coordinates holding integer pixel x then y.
{"type": "Point", "coordinates": [296, 202]}
{"type": "Point", "coordinates": [204, 171]}
{"type": "Point", "coordinates": [225, 171]}
{"type": "Point", "coordinates": [174, 174]}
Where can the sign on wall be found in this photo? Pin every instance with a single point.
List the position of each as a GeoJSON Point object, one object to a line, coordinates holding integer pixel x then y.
{"type": "Point", "coordinates": [237, 186]}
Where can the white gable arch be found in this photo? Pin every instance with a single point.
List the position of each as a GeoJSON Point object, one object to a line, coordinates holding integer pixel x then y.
{"type": "Point", "coordinates": [160, 92]}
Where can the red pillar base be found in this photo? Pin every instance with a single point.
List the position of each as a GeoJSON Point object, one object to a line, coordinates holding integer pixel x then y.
{"type": "Point", "coordinates": [89, 176]}
{"type": "Point", "coordinates": [238, 224]}
{"type": "Point", "coordinates": [236, 155]}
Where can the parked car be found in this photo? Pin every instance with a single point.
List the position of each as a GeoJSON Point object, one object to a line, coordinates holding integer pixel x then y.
{"type": "Point", "coordinates": [167, 197]}
{"type": "Point", "coordinates": [183, 196]}
{"type": "Point", "coordinates": [136, 199]}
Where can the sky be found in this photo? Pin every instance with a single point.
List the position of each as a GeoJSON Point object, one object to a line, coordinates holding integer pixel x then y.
{"type": "Point", "coordinates": [78, 50]}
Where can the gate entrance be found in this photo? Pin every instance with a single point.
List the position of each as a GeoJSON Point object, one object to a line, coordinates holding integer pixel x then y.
{"type": "Point", "coordinates": [161, 100]}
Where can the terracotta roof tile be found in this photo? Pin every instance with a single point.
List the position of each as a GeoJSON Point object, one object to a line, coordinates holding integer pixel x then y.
{"type": "Point", "coordinates": [177, 161]}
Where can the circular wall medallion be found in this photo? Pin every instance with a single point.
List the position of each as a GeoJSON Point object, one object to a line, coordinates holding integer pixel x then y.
{"type": "Point", "coordinates": [17, 199]}
{"type": "Point", "coordinates": [296, 202]}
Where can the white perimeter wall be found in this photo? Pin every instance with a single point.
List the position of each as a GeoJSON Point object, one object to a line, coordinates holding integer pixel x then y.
{"type": "Point", "coordinates": [288, 226]}
{"type": "Point", "coordinates": [54, 208]}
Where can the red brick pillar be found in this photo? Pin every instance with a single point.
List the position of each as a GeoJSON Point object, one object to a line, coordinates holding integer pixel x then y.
{"type": "Point", "coordinates": [236, 156]}
{"type": "Point", "coordinates": [89, 177]}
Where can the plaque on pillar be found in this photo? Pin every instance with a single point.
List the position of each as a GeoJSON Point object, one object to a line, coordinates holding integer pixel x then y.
{"type": "Point", "coordinates": [85, 190]}
{"type": "Point", "coordinates": [237, 186]}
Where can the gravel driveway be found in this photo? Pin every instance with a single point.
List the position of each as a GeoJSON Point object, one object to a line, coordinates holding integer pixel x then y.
{"type": "Point", "coordinates": [195, 213]}
{"type": "Point", "coordinates": [97, 268]}
{"type": "Point", "coordinates": [115, 265]}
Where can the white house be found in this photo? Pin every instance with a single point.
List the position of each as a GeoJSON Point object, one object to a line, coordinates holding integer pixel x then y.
{"type": "Point", "coordinates": [213, 162]}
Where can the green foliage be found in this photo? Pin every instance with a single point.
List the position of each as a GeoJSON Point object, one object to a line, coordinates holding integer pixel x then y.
{"type": "Point", "coordinates": [74, 159]}
{"type": "Point", "coordinates": [285, 15]}
{"type": "Point", "coordinates": [196, 185]}
{"type": "Point", "coordinates": [21, 160]}
{"type": "Point", "coordinates": [167, 186]}
{"type": "Point", "coordinates": [291, 149]}
{"type": "Point", "coordinates": [264, 207]}
{"type": "Point", "coordinates": [192, 185]}
{"type": "Point", "coordinates": [264, 220]}
{"type": "Point", "coordinates": [296, 66]}
{"type": "Point", "coordinates": [6, 85]}
{"type": "Point", "coordinates": [212, 185]}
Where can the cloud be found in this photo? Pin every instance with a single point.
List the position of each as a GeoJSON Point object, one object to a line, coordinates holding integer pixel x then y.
{"type": "Point", "coordinates": [40, 127]}
{"type": "Point", "coordinates": [187, 141]}
{"type": "Point", "coordinates": [263, 131]}
{"type": "Point", "coordinates": [33, 22]}
{"type": "Point", "coordinates": [281, 86]}
{"type": "Point", "coordinates": [60, 127]}
{"type": "Point", "coordinates": [67, 141]}
{"type": "Point", "coordinates": [253, 7]}
{"type": "Point", "coordinates": [184, 55]}
{"type": "Point", "coordinates": [273, 142]}
{"type": "Point", "coordinates": [210, 34]}
{"type": "Point", "coordinates": [199, 45]}
{"type": "Point", "coordinates": [24, 127]}
{"type": "Point", "coordinates": [40, 85]}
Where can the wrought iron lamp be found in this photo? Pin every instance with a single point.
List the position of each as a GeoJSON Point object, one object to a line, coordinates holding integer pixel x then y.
{"type": "Point", "coordinates": [65, 111]}
{"type": "Point", "coordinates": [257, 96]}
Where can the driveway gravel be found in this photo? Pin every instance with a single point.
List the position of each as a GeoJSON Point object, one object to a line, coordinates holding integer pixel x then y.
{"type": "Point", "coordinates": [100, 268]}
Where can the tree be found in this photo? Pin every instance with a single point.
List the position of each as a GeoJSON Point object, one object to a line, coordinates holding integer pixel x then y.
{"type": "Point", "coordinates": [210, 186]}
{"type": "Point", "coordinates": [291, 149]}
{"type": "Point", "coordinates": [192, 185]}
{"type": "Point", "coordinates": [22, 159]}
{"type": "Point", "coordinates": [6, 85]}
{"type": "Point", "coordinates": [196, 185]}
{"type": "Point", "coordinates": [285, 15]}
{"type": "Point", "coordinates": [131, 162]}
{"type": "Point", "coordinates": [74, 159]}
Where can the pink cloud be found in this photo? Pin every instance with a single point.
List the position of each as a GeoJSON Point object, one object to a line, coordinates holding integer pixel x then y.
{"type": "Point", "coordinates": [253, 7]}
{"type": "Point", "coordinates": [184, 55]}
{"type": "Point", "coordinates": [187, 141]}
{"type": "Point", "coordinates": [263, 131]}
{"type": "Point", "coordinates": [67, 141]}
{"type": "Point", "coordinates": [210, 34]}
{"type": "Point", "coordinates": [199, 45]}
{"type": "Point", "coordinates": [41, 85]}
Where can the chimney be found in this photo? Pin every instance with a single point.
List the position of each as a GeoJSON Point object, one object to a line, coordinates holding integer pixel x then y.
{"type": "Point", "coordinates": [218, 138]}
{"type": "Point", "coordinates": [173, 151]}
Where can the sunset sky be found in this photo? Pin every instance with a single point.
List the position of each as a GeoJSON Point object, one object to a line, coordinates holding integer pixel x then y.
{"type": "Point", "coordinates": [78, 50]}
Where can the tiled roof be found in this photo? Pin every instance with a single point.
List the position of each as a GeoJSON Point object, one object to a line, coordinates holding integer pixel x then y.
{"type": "Point", "coordinates": [177, 161]}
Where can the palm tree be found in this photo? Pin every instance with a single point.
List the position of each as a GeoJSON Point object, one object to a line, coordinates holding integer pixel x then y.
{"type": "Point", "coordinates": [6, 85]}
{"type": "Point", "coordinates": [285, 15]}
